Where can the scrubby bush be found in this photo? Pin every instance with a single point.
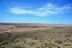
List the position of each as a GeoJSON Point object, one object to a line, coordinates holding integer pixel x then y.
{"type": "Point", "coordinates": [31, 43]}
{"type": "Point", "coordinates": [58, 47]}
{"type": "Point", "coordinates": [17, 47]}
{"type": "Point", "coordinates": [58, 41]}
{"type": "Point", "coordinates": [4, 42]}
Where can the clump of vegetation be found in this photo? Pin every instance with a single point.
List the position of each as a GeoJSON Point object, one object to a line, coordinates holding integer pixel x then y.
{"type": "Point", "coordinates": [4, 43]}
{"type": "Point", "coordinates": [46, 44]}
{"type": "Point", "coordinates": [17, 40]}
{"type": "Point", "coordinates": [42, 46]}
{"type": "Point", "coordinates": [24, 41]}
{"type": "Point", "coordinates": [58, 47]}
{"type": "Point", "coordinates": [31, 43]}
{"type": "Point", "coordinates": [67, 44]}
{"type": "Point", "coordinates": [70, 41]}
{"type": "Point", "coordinates": [37, 47]}
{"type": "Point", "coordinates": [36, 38]}
{"type": "Point", "coordinates": [17, 47]}
{"type": "Point", "coordinates": [58, 42]}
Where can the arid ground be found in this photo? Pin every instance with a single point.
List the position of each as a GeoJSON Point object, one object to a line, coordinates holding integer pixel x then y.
{"type": "Point", "coordinates": [35, 36]}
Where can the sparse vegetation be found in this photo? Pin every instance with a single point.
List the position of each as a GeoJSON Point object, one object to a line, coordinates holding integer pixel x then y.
{"type": "Point", "coordinates": [17, 47]}
{"type": "Point", "coordinates": [58, 41]}
{"type": "Point", "coordinates": [49, 38]}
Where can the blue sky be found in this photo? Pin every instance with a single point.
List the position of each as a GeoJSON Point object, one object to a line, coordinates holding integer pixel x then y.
{"type": "Point", "coordinates": [36, 11]}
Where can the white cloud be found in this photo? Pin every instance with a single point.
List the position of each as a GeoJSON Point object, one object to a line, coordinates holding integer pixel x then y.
{"type": "Point", "coordinates": [49, 9]}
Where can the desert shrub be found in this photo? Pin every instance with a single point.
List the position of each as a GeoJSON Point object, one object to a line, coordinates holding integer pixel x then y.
{"type": "Point", "coordinates": [46, 44]}
{"type": "Point", "coordinates": [11, 28]}
{"type": "Point", "coordinates": [40, 41]}
{"type": "Point", "coordinates": [24, 40]}
{"type": "Point", "coordinates": [58, 47]}
{"type": "Point", "coordinates": [37, 47]}
{"type": "Point", "coordinates": [2, 47]}
{"type": "Point", "coordinates": [17, 40]}
{"type": "Point", "coordinates": [31, 43]}
{"type": "Point", "coordinates": [42, 46]}
{"type": "Point", "coordinates": [70, 41]}
{"type": "Point", "coordinates": [67, 36]}
{"type": "Point", "coordinates": [17, 47]}
{"type": "Point", "coordinates": [1, 40]}
{"type": "Point", "coordinates": [50, 47]}
{"type": "Point", "coordinates": [36, 38]}
{"type": "Point", "coordinates": [4, 42]}
{"type": "Point", "coordinates": [67, 44]}
{"type": "Point", "coordinates": [58, 42]}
